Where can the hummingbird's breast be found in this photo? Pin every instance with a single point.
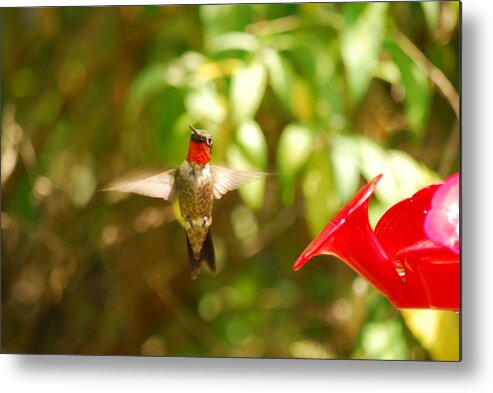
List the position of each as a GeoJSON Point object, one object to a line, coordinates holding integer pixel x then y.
{"type": "Point", "coordinates": [194, 185]}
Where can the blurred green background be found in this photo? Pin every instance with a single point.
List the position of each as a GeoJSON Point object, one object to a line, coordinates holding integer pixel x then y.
{"type": "Point", "coordinates": [324, 95]}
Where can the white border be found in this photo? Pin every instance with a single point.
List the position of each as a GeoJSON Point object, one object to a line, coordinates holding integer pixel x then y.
{"type": "Point", "coordinates": [133, 374]}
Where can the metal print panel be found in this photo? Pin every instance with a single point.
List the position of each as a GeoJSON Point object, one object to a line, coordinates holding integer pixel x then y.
{"type": "Point", "coordinates": [242, 180]}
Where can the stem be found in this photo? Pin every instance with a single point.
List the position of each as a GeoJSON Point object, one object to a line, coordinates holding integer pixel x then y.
{"type": "Point", "coordinates": [436, 75]}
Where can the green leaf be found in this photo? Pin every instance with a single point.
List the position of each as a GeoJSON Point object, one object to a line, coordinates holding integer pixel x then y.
{"type": "Point", "coordinates": [321, 199]}
{"type": "Point", "coordinates": [152, 80]}
{"type": "Point", "coordinates": [410, 175]}
{"type": "Point", "coordinates": [281, 76]}
{"type": "Point", "coordinates": [329, 86]}
{"type": "Point", "coordinates": [373, 162]}
{"type": "Point", "coordinates": [361, 40]}
{"type": "Point", "coordinates": [233, 41]}
{"type": "Point", "coordinates": [206, 104]}
{"type": "Point", "coordinates": [22, 204]}
{"type": "Point", "coordinates": [219, 19]}
{"type": "Point", "coordinates": [247, 90]}
{"type": "Point", "coordinates": [416, 86]}
{"type": "Point", "coordinates": [302, 100]}
{"type": "Point", "coordinates": [149, 83]}
{"type": "Point", "coordinates": [345, 161]}
{"type": "Point", "coordinates": [249, 152]}
{"type": "Point", "coordinates": [383, 340]}
{"type": "Point", "coordinates": [295, 146]}
{"type": "Point", "coordinates": [403, 175]}
{"type": "Point", "coordinates": [81, 184]}
{"type": "Point", "coordinates": [431, 10]}
{"type": "Point", "coordinates": [250, 137]}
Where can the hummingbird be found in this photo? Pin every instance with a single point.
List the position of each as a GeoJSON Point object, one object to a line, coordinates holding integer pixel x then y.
{"type": "Point", "coordinates": [196, 184]}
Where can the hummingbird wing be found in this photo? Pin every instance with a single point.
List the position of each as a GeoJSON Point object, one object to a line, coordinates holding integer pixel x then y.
{"type": "Point", "coordinates": [226, 179]}
{"type": "Point", "coordinates": [157, 185]}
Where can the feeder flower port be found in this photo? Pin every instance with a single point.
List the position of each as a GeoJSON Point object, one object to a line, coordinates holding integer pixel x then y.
{"type": "Point", "coordinates": [412, 255]}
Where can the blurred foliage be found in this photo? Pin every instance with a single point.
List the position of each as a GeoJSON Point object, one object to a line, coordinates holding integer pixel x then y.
{"type": "Point", "coordinates": [324, 95]}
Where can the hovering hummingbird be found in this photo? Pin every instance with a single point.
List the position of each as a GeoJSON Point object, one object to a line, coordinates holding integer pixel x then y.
{"type": "Point", "coordinates": [195, 183]}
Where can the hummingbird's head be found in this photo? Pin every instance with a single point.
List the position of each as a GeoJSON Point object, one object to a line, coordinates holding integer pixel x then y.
{"type": "Point", "coordinates": [200, 147]}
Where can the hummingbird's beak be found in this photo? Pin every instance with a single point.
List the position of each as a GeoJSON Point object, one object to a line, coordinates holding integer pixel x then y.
{"type": "Point", "coordinates": [193, 129]}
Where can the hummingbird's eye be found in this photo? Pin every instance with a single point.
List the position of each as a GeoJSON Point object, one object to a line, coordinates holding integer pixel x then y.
{"type": "Point", "coordinates": [209, 142]}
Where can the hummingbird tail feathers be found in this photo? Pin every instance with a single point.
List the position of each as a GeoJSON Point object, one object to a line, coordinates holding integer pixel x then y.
{"type": "Point", "coordinates": [206, 255]}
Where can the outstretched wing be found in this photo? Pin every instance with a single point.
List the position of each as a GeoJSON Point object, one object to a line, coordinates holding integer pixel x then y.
{"type": "Point", "coordinates": [157, 185]}
{"type": "Point", "coordinates": [226, 179]}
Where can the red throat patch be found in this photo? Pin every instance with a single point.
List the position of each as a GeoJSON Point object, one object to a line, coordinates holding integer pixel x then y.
{"type": "Point", "coordinates": [199, 152]}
